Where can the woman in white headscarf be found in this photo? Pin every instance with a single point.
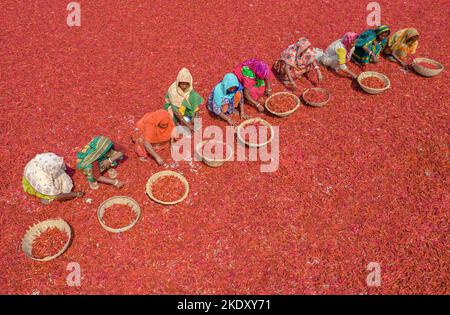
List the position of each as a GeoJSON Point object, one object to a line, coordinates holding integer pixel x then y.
{"type": "Point", "coordinates": [182, 102]}
{"type": "Point", "coordinates": [45, 178]}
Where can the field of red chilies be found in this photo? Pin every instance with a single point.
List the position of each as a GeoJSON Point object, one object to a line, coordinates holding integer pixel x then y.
{"type": "Point", "coordinates": [363, 179]}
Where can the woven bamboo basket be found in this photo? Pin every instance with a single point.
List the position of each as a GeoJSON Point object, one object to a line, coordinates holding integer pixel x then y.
{"type": "Point", "coordinates": [118, 200]}
{"type": "Point", "coordinates": [367, 74]}
{"type": "Point", "coordinates": [157, 176]}
{"type": "Point", "coordinates": [37, 229]}
{"type": "Point", "coordinates": [318, 104]}
{"type": "Point", "coordinates": [427, 72]}
{"type": "Point", "coordinates": [213, 162]}
{"type": "Point", "coordinates": [285, 114]}
{"type": "Point", "coordinates": [250, 121]}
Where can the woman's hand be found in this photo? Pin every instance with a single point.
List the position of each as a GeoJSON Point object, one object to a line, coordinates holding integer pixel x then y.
{"type": "Point", "coordinates": [79, 194]}
{"type": "Point", "coordinates": [231, 122]}
{"type": "Point", "coordinates": [160, 161]}
{"type": "Point", "coordinates": [118, 184]}
{"type": "Point", "coordinates": [375, 58]}
{"type": "Point", "coordinates": [293, 85]}
{"type": "Point", "coordinates": [260, 107]}
{"type": "Point", "coordinates": [267, 92]}
{"type": "Point", "coordinates": [245, 116]}
{"type": "Point", "coordinates": [319, 76]}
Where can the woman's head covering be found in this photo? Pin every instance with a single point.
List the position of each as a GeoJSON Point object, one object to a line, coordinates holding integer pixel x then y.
{"type": "Point", "coordinates": [46, 174]}
{"type": "Point", "coordinates": [93, 151]}
{"type": "Point", "coordinates": [300, 54]}
{"type": "Point", "coordinates": [302, 44]}
{"type": "Point", "coordinates": [175, 93]}
{"type": "Point", "coordinates": [381, 29]}
{"type": "Point", "coordinates": [260, 68]}
{"type": "Point", "coordinates": [221, 89]}
{"type": "Point", "coordinates": [398, 41]}
{"type": "Point", "coordinates": [150, 126]}
{"type": "Point", "coordinates": [348, 39]}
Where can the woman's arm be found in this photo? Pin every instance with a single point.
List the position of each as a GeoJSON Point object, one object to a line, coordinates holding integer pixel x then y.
{"type": "Point", "coordinates": [287, 70]}
{"type": "Point", "coordinates": [69, 196]}
{"type": "Point", "coordinates": [148, 147]}
{"type": "Point", "coordinates": [184, 122]}
{"type": "Point", "coordinates": [350, 72]}
{"type": "Point", "coordinates": [102, 179]}
{"type": "Point", "coordinates": [249, 98]}
{"type": "Point", "coordinates": [398, 59]}
{"type": "Point", "coordinates": [268, 90]}
{"type": "Point", "coordinates": [226, 118]}
{"type": "Point", "coordinates": [367, 50]}
{"type": "Point", "coordinates": [319, 73]}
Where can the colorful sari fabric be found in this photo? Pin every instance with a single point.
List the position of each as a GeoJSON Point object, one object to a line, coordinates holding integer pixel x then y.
{"type": "Point", "coordinates": [33, 192]}
{"type": "Point", "coordinates": [150, 128]}
{"type": "Point", "coordinates": [186, 103]}
{"type": "Point", "coordinates": [45, 176]}
{"type": "Point", "coordinates": [368, 39]}
{"type": "Point", "coordinates": [300, 56]}
{"type": "Point", "coordinates": [339, 52]}
{"type": "Point", "coordinates": [222, 101]}
{"type": "Point", "coordinates": [398, 42]}
{"type": "Point", "coordinates": [93, 154]}
{"type": "Point", "coordinates": [251, 75]}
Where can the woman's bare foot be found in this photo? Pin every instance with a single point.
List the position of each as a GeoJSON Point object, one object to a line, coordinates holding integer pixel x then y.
{"type": "Point", "coordinates": [93, 185]}
{"type": "Point", "coordinates": [112, 173]}
{"type": "Point", "coordinates": [143, 159]}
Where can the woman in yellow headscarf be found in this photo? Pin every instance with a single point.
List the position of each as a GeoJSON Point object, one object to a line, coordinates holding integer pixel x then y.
{"type": "Point", "coordinates": [182, 102]}
{"type": "Point", "coordinates": [401, 44]}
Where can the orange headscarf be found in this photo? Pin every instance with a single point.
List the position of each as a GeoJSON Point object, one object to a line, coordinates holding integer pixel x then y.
{"type": "Point", "coordinates": [150, 126]}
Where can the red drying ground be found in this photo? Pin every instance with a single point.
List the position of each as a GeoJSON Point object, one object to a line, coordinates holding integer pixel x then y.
{"type": "Point", "coordinates": [168, 189]}
{"type": "Point", "coordinates": [362, 180]}
{"type": "Point", "coordinates": [428, 65]}
{"type": "Point", "coordinates": [49, 243]}
{"type": "Point", "coordinates": [118, 216]}
{"type": "Point", "coordinates": [373, 82]}
{"type": "Point", "coordinates": [315, 96]}
{"type": "Point", "coordinates": [282, 103]}
{"type": "Point", "coordinates": [212, 150]}
{"type": "Point", "coordinates": [252, 132]}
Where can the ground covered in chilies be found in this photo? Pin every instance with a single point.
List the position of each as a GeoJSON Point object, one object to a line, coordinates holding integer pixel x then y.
{"type": "Point", "coordinates": [363, 179]}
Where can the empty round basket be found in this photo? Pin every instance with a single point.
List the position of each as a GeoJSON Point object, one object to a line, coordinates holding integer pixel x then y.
{"type": "Point", "coordinates": [118, 200]}
{"type": "Point", "coordinates": [157, 176]}
{"type": "Point", "coordinates": [36, 230]}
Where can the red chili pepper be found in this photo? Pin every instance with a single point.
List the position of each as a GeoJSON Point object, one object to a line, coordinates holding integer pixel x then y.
{"type": "Point", "coordinates": [168, 189]}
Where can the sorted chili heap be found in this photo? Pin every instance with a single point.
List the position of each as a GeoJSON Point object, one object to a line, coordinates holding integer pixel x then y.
{"type": "Point", "coordinates": [255, 132]}
{"type": "Point", "coordinates": [214, 150]}
{"type": "Point", "coordinates": [428, 65]}
{"type": "Point", "coordinates": [118, 216]}
{"type": "Point", "coordinates": [282, 103]}
{"type": "Point", "coordinates": [315, 96]}
{"type": "Point", "coordinates": [168, 189]}
{"type": "Point", "coordinates": [373, 82]}
{"type": "Point", "coordinates": [49, 243]}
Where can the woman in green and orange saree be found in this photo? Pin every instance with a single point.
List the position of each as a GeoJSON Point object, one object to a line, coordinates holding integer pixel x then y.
{"type": "Point", "coordinates": [97, 157]}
